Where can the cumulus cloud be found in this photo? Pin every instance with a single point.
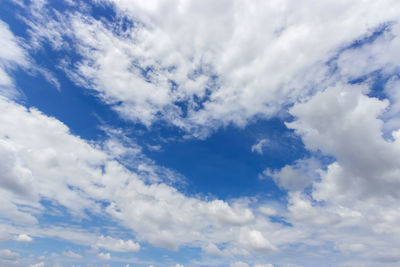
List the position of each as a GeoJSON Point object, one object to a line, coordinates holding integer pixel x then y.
{"type": "Point", "coordinates": [255, 240]}
{"type": "Point", "coordinates": [296, 176]}
{"type": "Point", "coordinates": [104, 256]}
{"type": "Point", "coordinates": [360, 188]}
{"type": "Point", "coordinates": [343, 122]}
{"type": "Point", "coordinates": [23, 238]}
{"type": "Point", "coordinates": [117, 245]}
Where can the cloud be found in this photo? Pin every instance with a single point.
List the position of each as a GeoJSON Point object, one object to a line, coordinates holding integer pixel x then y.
{"type": "Point", "coordinates": [162, 216]}
{"type": "Point", "coordinates": [154, 147]}
{"type": "Point", "coordinates": [11, 56]}
{"type": "Point", "coordinates": [104, 256]}
{"type": "Point", "coordinates": [296, 176]}
{"type": "Point", "coordinates": [40, 264]}
{"type": "Point", "coordinates": [343, 122]}
{"type": "Point", "coordinates": [239, 264]}
{"type": "Point", "coordinates": [243, 62]}
{"type": "Point", "coordinates": [369, 56]}
{"type": "Point", "coordinates": [72, 254]}
{"type": "Point", "coordinates": [24, 238]}
{"type": "Point", "coordinates": [9, 256]}
{"type": "Point", "coordinates": [50, 162]}
{"type": "Point", "coordinates": [229, 70]}
{"type": "Point", "coordinates": [117, 245]}
{"type": "Point", "coordinates": [258, 148]}
{"type": "Point", "coordinates": [360, 188]}
{"type": "Point", "coordinates": [256, 241]}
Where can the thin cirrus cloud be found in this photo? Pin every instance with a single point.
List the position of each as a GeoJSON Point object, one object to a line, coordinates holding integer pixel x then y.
{"type": "Point", "coordinates": [11, 56]}
{"type": "Point", "coordinates": [328, 70]}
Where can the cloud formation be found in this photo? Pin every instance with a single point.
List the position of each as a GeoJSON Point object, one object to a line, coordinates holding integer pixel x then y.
{"type": "Point", "coordinates": [199, 66]}
{"type": "Point", "coordinates": [232, 69]}
{"type": "Point", "coordinates": [11, 56]}
{"type": "Point", "coordinates": [51, 161]}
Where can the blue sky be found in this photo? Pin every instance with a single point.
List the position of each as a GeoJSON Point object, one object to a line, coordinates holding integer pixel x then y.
{"type": "Point", "coordinates": [199, 133]}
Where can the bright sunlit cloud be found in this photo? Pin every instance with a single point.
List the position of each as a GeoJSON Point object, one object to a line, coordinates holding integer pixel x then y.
{"type": "Point", "coordinates": [199, 133]}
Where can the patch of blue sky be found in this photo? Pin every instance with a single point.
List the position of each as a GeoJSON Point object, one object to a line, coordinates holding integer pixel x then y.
{"type": "Point", "coordinates": [71, 105]}
{"type": "Point", "coordinates": [281, 220]}
{"type": "Point", "coordinates": [77, 108]}
{"type": "Point", "coordinates": [372, 36]}
{"type": "Point", "coordinates": [378, 81]}
{"type": "Point", "coordinates": [9, 13]}
{"type": "Point", "coordinates": [224, 165]}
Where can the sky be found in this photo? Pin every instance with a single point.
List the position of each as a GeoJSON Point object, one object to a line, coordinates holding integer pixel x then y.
{"type": "Point", "coordinates": [179, 133]}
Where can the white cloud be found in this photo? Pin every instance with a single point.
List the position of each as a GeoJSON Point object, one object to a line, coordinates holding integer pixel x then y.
{"type": "Point", "coordinates": [154, 147]}
{"type": "Point", "coordinates": [378, 54]}
{"type": "Point", "coordinates": [40, 264]}
{"type": "Point", "coordinates": [117, 245]}
{"type": "Point", "coordinates": [267, 210]}
{"type": "Point", "coordinates": [391, 116]}
{"type": "Point", "coordinates": [239, 264]}
{"type": "Point", "coordinates": [213, 250]}
{"type": "Point", "coordinates": [6, 254]}
{"type": "Point", "coordinates": [11, 55]}
{"type": "Point", "coordinates": [72, 254]}
{"type": "Point", "coordinates": [255, 240]}
{"type": "Point", "coordinates": [258, 148]}
{"type": "Point", "coordinates": [234, 67]}
{"type": "Point", "coordinates": [163, 216]}
{"type": "Point", "coordinates": [253, 59]}
{"type": "Point", "coordinates": [104, 256]}
{"type": "Point", "coordinates": [296, 176]}
{"type": "Point", "coordinates": [23, 238]}
{"type": "Point", "coordinates": [50, 162]}
{"type": "Point", "coordinates": [342, 122]}
{"type": "Point", "coordinates": [249, 57]}
{"type": "Point", "coordinates": [360, 188]}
